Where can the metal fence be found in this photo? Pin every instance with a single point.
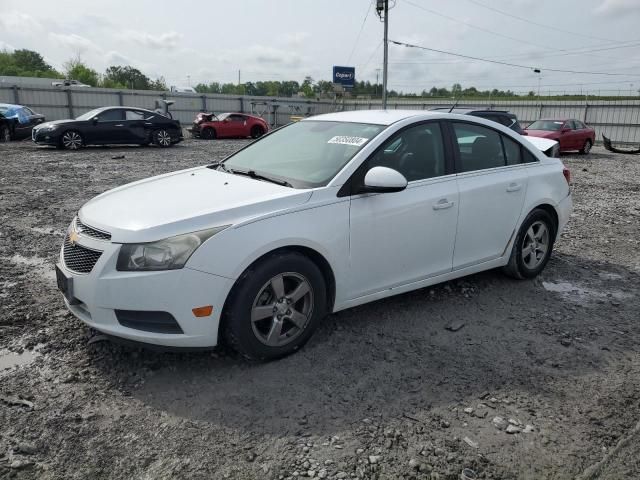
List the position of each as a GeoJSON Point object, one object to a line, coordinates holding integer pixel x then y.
{"type": "Point", "coordinates": [618, 119]}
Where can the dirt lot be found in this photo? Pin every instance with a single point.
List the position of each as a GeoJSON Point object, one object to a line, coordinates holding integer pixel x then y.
{"type": "Point", "coordinates": [541, 380]}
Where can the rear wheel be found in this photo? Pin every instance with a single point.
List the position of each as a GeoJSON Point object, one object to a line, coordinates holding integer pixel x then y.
{"type": "Point", "coordinates": [162, 138]}
{"type": "Point", "coordinates": [532, 246]}
{"type": "Point", "coordinates": [275, 306]}
{"type": "Point", "coordinates": [586, 148]}
{"type": "Point", "coordinates": [257, 131]}
{"type": "Point", "coordinates": [5, 134]}
{"type": "Point", "coordinates": [208, 133]}
{"type": "Point", "coordinates": [71, 140]}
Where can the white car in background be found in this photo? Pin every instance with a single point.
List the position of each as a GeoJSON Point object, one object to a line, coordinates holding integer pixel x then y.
{"type": "Point", "coordinates": [324, 214]}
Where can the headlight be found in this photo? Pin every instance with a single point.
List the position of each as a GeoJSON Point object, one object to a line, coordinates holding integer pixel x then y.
{"type": "Point", "coordinates": [46, 128]}
{"type": "Point", "coordinates": [168, 254]}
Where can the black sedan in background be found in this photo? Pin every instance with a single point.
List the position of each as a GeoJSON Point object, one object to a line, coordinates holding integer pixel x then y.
{"type": "Point", "coordinates": [18, 120]}
{"type": "Point", "coordinates": [110, 125]}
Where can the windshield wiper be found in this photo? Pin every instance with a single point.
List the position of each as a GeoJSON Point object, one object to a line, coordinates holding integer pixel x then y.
{"type": "Point", "coordinates": [257, 176]}
{"type": "Point", "coordinates": [219, 166]}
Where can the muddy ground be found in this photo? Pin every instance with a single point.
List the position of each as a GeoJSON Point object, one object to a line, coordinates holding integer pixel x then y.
{"type": "Point", "coordinates": [542, 380]}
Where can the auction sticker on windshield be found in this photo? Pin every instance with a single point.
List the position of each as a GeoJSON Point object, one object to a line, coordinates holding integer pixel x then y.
{"type": "Point", "coordinates": [345, 140]}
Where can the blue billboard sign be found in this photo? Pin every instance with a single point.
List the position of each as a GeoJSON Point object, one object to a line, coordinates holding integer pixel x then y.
{"type": "Point", "coordinates": [345, 76]}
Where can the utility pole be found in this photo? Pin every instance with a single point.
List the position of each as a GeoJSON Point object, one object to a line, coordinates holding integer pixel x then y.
{"type": "Point", "coordinates": [383, 6]}
{"type": "Point", "coordinates": [377, 80]}
{"type": "Point", "coordinates": [239, 78]}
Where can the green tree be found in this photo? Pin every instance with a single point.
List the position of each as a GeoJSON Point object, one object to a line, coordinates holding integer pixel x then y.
{"type": "Point", "coordinates": [75, 69]}
{"type": "Point", "coordinates": [128, 77]}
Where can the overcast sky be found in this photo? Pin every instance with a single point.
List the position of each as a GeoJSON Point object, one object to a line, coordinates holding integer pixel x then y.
{"type": "Point", "coordinates": [289, 39]}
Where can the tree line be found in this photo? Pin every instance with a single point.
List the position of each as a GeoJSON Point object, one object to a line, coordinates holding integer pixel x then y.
{"type": "Point", "coordinates": [28, 63]}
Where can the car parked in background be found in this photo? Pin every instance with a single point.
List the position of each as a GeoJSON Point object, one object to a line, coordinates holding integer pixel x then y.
{"type": "Point", "coordinates": [20, 120]}
{"type": "Point", "coordinates": [503, 117]}
{"type": "Point", "coordinates": [228, 125]}
{"type": "Point", "coordinates": [70, 83]}
{"type": "Point", "coordinates": [549, 147]}
{"type": "Point", "coordinates": [572, 134]}
{"type": "Point", "coordinates": [324, 214]}
{"type": "Point", "coordinates": [110, 125]}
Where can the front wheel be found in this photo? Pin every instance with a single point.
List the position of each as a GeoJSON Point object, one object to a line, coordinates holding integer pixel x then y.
{"type": "Point", "coordinates": [162, 138]}
{"type": "Point", "coordinates": [586, 148]}
{"type": "Point", "coordinates": [208, 134]}
{"type": "Point", "coordinates": [5, 134]}
{"type": "Point", "coordinates": [532, 246]}
{"type": "Point", "coordinates": [275, 306]}
{"type": "Point", "coordinates": [71, 140]}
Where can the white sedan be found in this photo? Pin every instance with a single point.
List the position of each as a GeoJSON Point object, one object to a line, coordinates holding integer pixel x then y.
{"type": "Point", "coordinates": [321, 215]}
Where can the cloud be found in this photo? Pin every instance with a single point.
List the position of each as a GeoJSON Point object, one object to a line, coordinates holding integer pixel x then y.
{"type": "Point", "coordinates": [6, 46]}
{"type": "Point", "coordinates": [164, 41]}
{"type": "Point", "coordinates": [618, 7]}
{"type": "Point", "coordinates": [295, 39]}
{"type": "Point", "coordinates": [73, 42]}
{"type": "Point", "coordinates": [16, 22]}
{"type": "Point", "coordinates": [116, 58]}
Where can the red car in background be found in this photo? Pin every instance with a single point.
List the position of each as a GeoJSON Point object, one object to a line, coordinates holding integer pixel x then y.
{"type": "Point", "coordinates": [572, 134]}
{"type": "Point", "coordinates": [228, 125]}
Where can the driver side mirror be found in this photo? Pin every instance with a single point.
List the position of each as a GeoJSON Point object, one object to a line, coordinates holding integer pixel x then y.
{"type": "Point", "coordinates": [95, 120]}
{"type": "Point", "coordinates": [384, 180]}
{"type": "Point", "coordinates": [565, 130]}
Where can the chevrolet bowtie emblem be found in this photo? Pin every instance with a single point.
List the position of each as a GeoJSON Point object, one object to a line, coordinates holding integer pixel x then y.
{"type": "Point", "coordinates": [73, 237]}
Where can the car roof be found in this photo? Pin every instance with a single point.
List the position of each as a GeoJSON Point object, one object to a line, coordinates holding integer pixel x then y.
{"type": "Point", "coordinates": [10, 105]}
{"type": "Point", "coordinates": [377, 117]}
{"type": "Point", "coordinates": [555, 119]}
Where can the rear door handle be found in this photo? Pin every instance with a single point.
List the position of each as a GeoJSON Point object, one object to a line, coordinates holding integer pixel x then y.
{"type": "Point", "coordinates": [442, 204]}
{"type": "Point", "coordinates": [514, 187]}
{"type": "Point", "coordinates": [119, 125]}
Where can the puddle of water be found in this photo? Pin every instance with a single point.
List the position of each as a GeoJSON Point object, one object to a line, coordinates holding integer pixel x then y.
{"type": "Point", "coordinates": [9, 360]}
{"type": "Point", "coordinates": [42, 267]}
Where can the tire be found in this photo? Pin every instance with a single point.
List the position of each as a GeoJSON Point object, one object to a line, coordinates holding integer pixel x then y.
{"type": "Point", "coordinates": [257, 131]}
{"type": "Point", "coordinates": [5, 134]}
{"type": "Point", "coordinates": [586, 148]}
{"type": "Point", "coordinates": [275, 306]}
{"type": "Point", "coordinates": [71, 140]}
{"type": "Point", "coordinates": [162, 138]}
{"type": "Point", "coordinates": [208, 134]}
{"type": "Point", "coordinates": [528, 258]}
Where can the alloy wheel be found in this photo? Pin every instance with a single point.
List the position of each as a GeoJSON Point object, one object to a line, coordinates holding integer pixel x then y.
{"type": "Point", "coordinates": [72, 140]}
{"type": "Point", "coordinates": [535, 245]}
{"type": "Point", "coordinates": [5, 135]}
{"type": "Point", "coordinates": [164, 138]}
{"type": "Point", "coordinates": [282, 309]}
{"type": "Point", "coordinates": [587, 147]}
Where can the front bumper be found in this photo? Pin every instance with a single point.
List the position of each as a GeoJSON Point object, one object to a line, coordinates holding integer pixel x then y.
{"type": "Point", "coordinates": [98, 294]}
{"type": "Point", "coordinates": [47, 137]}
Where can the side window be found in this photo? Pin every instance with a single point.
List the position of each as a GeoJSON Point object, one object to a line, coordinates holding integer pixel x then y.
{"type": "Point", "coordinates": [417, 152]}
{"type": "Point", "coordinates": [511, 150]}
{"type": "Point", "coordinates": [134, 115]}
{"type": "Point", "coordinates": [528, 157]}
{"type": "Point", "coordinates": [480, 147]}
{"type": "Point", "coordinates": [236, 118]}
{"type": "Point", "coordinates": [568, 124]}
{"type": "Point", "coordinates": [579, 125]}
{"type": "Point", "coordinates": [111, 116]}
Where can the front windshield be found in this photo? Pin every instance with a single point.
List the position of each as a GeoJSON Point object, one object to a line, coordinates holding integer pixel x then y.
{"type": "Point", "coordinates": [90, 114]}
{"type": "Point", "coordinates": [550, 125]}
{"type": "Point", "coordinates": [305, 154]}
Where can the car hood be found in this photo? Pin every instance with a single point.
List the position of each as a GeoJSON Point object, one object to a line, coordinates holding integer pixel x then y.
{"type": "Point", "coordinates": [56, 122]}
{"type": "Point", "coordinates": [183, 202]}
{"type": "Point", "coordinates": [542, 133]}
{"type": "Point", "coordinates": [542, 144]}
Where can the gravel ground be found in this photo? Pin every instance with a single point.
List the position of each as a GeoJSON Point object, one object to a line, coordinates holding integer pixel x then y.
{"type": "Point", "coordinates": [528, 380]}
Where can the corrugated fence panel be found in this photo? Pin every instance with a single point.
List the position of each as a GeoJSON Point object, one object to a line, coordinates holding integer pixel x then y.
{"type": "Point", "coordinates": [619, 119]}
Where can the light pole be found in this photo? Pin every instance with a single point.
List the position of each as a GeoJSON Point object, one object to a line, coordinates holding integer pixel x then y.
{"type": "Point", "coordinates": [377, 80]}
{"type": "Point", "coordinates": [383, 6]}
{"type": "Point", "coordinates": [539, 72]}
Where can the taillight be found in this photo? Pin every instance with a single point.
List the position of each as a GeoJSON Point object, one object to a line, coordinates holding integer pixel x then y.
{"type": "Point", "coordinates": [567, 175]}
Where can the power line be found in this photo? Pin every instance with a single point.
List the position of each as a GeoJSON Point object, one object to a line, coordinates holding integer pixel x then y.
{"type": "Point", "coordinates": [548, 27]}
{"type": "Point", "coordinates": [371, 57]}
{"type": "Point", "coordinates": [409, 45]}
{"type": "Point", "coordinates": [360, 32]}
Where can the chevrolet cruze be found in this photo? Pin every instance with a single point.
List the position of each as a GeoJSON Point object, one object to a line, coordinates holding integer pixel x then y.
{"type": "Point", "coordinates": [319, 216]}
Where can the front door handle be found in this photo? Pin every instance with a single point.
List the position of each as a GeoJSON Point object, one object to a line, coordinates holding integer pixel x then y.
{"type": "Point", "coordinates": [442, 204]}
{"type": "Point", "coordinates": [514, 187]}
{"type": "Point", "coordinates": [119, 125]}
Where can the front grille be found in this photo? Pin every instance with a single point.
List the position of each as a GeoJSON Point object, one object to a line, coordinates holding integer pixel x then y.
{"type": "Point", "coordinates": [77, 258]}
{"type": "Point", "coordinates": [83, 229]}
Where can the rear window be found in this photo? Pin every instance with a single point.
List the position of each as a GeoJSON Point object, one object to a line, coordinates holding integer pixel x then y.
{"type": "Point", "coordinates": [550, 125]}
